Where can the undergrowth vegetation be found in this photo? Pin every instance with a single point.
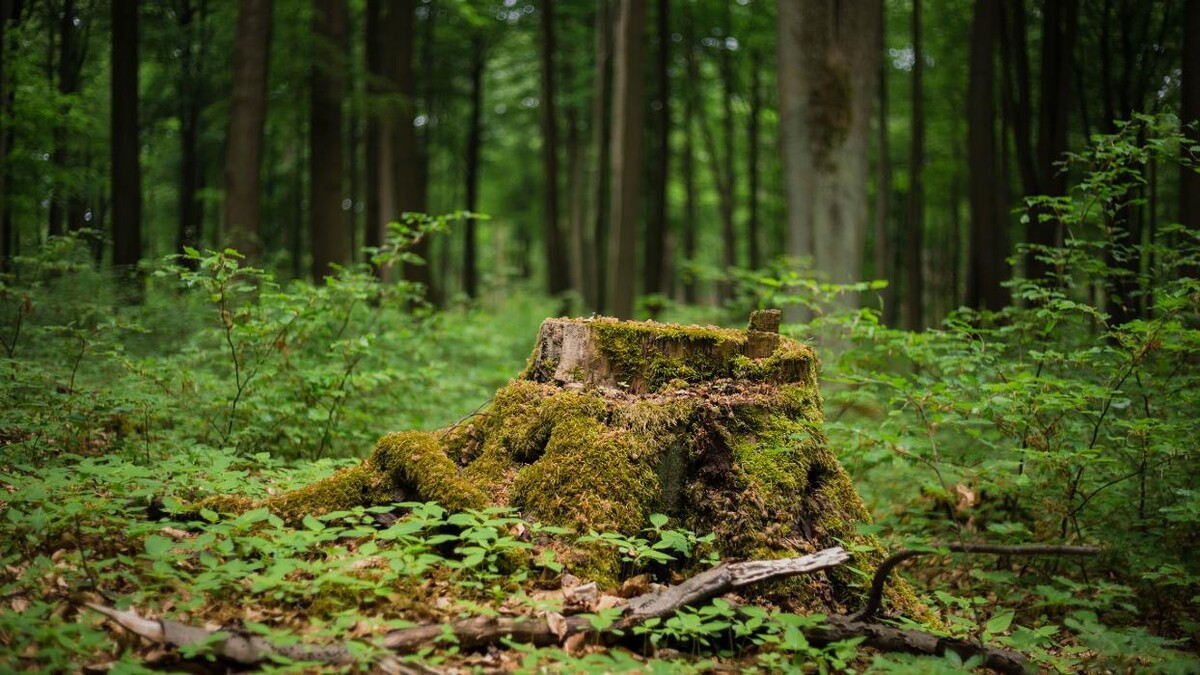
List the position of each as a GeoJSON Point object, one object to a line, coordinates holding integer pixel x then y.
{"type": "Point", "coordinates": [1048, 421]}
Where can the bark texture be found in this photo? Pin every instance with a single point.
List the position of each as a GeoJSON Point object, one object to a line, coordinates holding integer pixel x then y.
{"type": "Point", "coordinates": [327, 228]}
{"type": "Point", "coordinates": [827, 71]}
{"type": "Point", "coordinates": [988, 246]}
{"type": "Point", "coordinates": [627, 118]}
{"type": "Point", "coordinates": [247, 115]}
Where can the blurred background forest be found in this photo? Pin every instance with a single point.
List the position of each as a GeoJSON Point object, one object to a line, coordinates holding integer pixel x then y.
{"type": "Point", "coordinates": [623, 150]}
{"type": "Point", "coordinates": [986, 214]}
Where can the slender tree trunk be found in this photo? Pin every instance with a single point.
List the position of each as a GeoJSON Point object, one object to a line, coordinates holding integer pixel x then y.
{"type": "Point", "coordinates": [406, 158]}
{"type": "Point", "coordinates": [376, 223]}
{"type": "Point", "coordinates": [70, 65]}
{"type": "Point", "coordinates": [10, 11]}
{"type": "Point", "coordinates": [827, 70]}
{"type": "Point", "coordinates": [883, 190]}
{"type": "Point", "coordinates": [600, 141]}
{"type": "Point", "coordinates": [557, 266]}
{"type": "Point", "coordinates": [247, 116]}
{"type": "Point", "coordinates": [327, 230]}
{"type": "Point", "coordinates": [628, 86]}
{"type": "Point", "coordinates": [687, 164]}
{"type": "Point", "coordinates": [728, 206]}
{"type": "Point", "coordinates": [1189, 180]}
{"type": "Point", "coordinates": [656, 220]}
{"type": "Point", "coordinates": [988, 245]}
{"type": "Point", "coordinates": [474, 142]}
{"type": "Point", "coordinates": [914, 225]}
{"type": "Point", "coordinates": [126, 167]}
{"type": "Point", "coordinates": [752, 142]}
{"type": "Point", "coordinates": [582, 260]}
{"type": "Point", "coordinates": [191, 101]}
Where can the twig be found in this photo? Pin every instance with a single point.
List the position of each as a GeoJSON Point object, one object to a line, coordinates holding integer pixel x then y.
{"type": "Point", "coordinates": [875, 596]}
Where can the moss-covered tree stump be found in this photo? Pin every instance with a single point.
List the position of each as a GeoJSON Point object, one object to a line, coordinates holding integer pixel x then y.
{"type": "Point", "coordinates": [612, 421]}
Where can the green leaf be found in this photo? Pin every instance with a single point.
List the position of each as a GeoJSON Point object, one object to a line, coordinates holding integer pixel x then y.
{"type": "Point", "coordinates": [1000, 622]}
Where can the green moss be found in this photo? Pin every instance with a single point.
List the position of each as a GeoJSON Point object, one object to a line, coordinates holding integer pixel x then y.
{"type": "Point", "coordinates": [648, 355]}
{"type": "Point", "coordinates": [790, 362]}
{"type": "Point", "coordinates": [416, 460]}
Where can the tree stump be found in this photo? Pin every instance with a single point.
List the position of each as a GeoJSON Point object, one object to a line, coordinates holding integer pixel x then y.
{"type": "Point", "coordinates": [612, 421]}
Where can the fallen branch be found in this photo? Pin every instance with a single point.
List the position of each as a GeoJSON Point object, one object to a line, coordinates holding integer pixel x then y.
{"type": "Point", "coordinates": [476, 632]}
{"type": "Point", "coordinates": [875, 596]}
{"type": "Point", "coordinates": [553, 629]}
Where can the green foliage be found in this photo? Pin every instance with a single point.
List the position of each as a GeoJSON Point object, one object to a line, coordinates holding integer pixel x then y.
{"type": "Point", "coordinates": [1048, 421]}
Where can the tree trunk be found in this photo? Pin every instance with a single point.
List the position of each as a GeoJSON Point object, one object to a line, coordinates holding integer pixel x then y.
{"type": "Point", "coordinates": [827, 70]}
{"type": "Point", "coordinates": [557, 265]}
{"type": "Point", "coordinates": [1059, 19]}
{"type": "Point", "coordinates": [406, 170]}
{"type": "Point", "coordinates": [191, 102]}
{"type": "Point", "coordinates": [883, 191]}
{"type": "Point", "coordinates": [752, 142]}
{"type": "Point", "coordinates": [10, 11]}
{"type": "Point", "coordinates": [327, 228]}
{"type": "Point", "coordinates": [579, 243]}
{"type": "Point", "coordinates": [474, 142]}
{"type": "Point", "coordinates": [70, 65]}
{"type": "Point", "coordinates": [247, 116]}
{"type": "Point", "coordinates": [988, 245]}
{"type": "Point", "coordinates": [628, 75]}
{"type": "Point", "coordinates": [1189, 180]}
{"type": "Point", "coordinates": [126, 167]}
{"type": "Point", "coordinates": [600, 141]}
{"type": "Point", "coordinates": [687, 164]}
{"type": "Point", "coordinates": [914, 223]}
{"type": "Point", "coordinates": [376, 223]}
{"type": "Point", "coordinates": [660, 123]}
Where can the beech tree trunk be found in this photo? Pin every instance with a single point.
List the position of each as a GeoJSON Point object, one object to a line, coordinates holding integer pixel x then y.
{"type": "Point", "coordinates": [988, 244]}
{"type": "Point", "coordinates": [628, 86]}
{"type": "Point", "coordinates": [327, 231]}
{"type": "Point", "coordinates": [827, 71]}
{"type": "Point", "coordinates": [247, 115]}
{"type": "Point", "coordinates": [126, 166]}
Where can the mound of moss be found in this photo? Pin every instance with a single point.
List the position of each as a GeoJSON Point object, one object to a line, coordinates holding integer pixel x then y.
{"type": "Point", "coordinates": [613, 421]}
